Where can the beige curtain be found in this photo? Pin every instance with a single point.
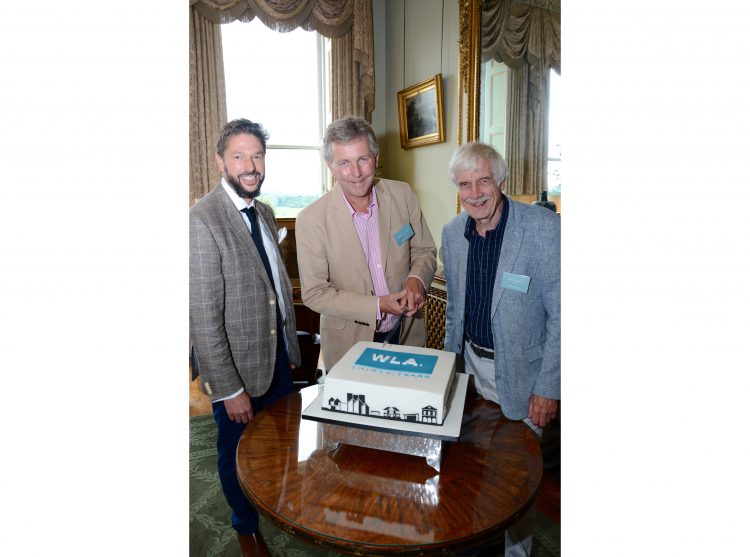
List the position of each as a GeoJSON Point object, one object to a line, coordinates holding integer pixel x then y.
{"type": "Point", "coordinates": [353, 72]}
{"type": "Point", "coordinates": [208, 108]}
{"type": "Point", "coordinates": [330, 18]}
{"type": "Point", "coordinates": [526, 36]}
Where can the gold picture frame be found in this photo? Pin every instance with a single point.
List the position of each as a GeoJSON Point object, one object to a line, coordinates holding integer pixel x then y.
{"type": "Point", "coordinates": [420, 113]}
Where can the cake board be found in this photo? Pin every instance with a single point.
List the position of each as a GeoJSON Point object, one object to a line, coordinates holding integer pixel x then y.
{"type": "Point", "coordinates": [416, 439]}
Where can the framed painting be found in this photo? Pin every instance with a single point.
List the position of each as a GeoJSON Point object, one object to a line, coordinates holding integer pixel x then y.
{"type": "Point", "coordinates": [420, 113]}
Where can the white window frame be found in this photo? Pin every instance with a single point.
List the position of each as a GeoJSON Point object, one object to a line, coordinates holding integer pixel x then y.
{"type": "Point", "coordinates": [323, 86]}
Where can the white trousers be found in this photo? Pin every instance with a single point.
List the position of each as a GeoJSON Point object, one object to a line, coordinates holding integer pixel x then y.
{"type": "Point", "coordinates": [518, 538]}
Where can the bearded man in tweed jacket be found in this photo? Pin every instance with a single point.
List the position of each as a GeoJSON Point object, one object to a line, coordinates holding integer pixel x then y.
{"type": "Point", "coordinates": [242, 322]}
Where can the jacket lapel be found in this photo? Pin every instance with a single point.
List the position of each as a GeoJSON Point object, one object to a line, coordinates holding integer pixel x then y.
{"type": "Point", "coordinates": [512, 238]}
{"type": "Point", "coordinates": [236, 223]}
{"type": "Point", "coordinates": [270, 224]}
{"type": "Point", "coordinates": [463, 261]}
{"type": "Point", "coordinates": [384, 223]}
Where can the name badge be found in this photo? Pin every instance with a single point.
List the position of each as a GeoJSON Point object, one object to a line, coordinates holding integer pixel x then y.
{"type": "Point", "coordinates": [404, 234]}
{"type": "Point", "coordinates": [519, 283]}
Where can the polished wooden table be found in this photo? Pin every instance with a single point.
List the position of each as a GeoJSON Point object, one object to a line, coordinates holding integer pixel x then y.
{"type": "Point", "coordinates": [370, 502]}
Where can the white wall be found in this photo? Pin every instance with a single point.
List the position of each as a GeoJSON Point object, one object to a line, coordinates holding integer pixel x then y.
{"type": "Point", "coordinates": [378, 22]}
{"type": "Point", "coordinates": [414, 40]}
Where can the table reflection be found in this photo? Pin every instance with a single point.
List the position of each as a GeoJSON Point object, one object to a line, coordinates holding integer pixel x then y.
{"type": "Point", "coordinates": [369, 501]}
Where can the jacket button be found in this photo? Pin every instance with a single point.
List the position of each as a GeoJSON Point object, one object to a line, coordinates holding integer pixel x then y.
{"type": "Point", "coordinates": [273, 331]}
{"type": "Point", "coordinates": [271, 302]}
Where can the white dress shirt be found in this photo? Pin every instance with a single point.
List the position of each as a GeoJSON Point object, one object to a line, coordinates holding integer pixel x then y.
{"type": "Point", "coordinates": [268, 243]}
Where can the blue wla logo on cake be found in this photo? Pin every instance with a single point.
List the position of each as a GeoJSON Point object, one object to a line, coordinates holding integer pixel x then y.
{"type": "Point", "coordinates": [415, 365]}
{"type": "Point", "coordinates": [410, 369]}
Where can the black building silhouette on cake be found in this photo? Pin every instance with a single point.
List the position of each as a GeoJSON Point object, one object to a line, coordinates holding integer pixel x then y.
{"type": "Point", "coordinates": [356, 404]}
{"type": "Point", "coordinates": [392, 412]}
{"type": "Point", "coordinates": [429, 415]}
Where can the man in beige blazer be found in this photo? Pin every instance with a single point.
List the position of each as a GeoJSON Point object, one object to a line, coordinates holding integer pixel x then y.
{"type": "Point", "coordinates": [366, 256]}
{"type": "Point", "coordinates": [241, 312]}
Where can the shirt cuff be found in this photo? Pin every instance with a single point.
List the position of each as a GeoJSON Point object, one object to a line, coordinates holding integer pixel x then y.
{"type": "Point", "coordinates": [419, 279]}
{"type": "Point", "coordinates": [235, 395]}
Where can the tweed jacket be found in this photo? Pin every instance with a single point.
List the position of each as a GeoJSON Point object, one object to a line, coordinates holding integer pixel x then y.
{"type": "Point", "coordinates": [232, 300]}
{"type": "Point", "coordinates": [525, 325]}
{"type": "Point", "coordinates": [335, 279]}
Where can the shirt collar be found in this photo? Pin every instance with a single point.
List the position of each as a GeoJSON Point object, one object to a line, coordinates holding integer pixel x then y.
{"type": "Point", "coordinates": [471, 226]}
{"type": "Point", "coordinates": [238, 201]}
{"type": "Point", "coordinates": [373, 201]}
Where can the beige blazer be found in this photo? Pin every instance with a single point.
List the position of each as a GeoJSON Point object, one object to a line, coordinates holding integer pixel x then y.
{"type": "Point", "coordinates": [232, 300]}
{"type": "Point", "coordinates": [334, 276]}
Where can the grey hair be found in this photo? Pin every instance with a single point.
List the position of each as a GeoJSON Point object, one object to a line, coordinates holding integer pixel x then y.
{"type": "Point", "coordinates": [467, 156]}
{"type": "Point", "coordinates": [346, 130]}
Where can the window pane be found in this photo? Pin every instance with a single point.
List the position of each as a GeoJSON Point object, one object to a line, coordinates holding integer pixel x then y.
{"type": "Point", "coordinates": [293, 180]}
{"type": "Point", "coordinates": [553, 177]}
{"type": "Point", "coordinates": [276, 79]}
{"type": "Point", "coordinates": [272, 78]}
{"type": "Point", "coordinates": [554, 163]}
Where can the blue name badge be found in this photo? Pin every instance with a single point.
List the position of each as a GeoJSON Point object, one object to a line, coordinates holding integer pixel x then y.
{"type": "Point", "coordinates": [404, 234]}
{"type": "Point", "coordinates": [519, 283]}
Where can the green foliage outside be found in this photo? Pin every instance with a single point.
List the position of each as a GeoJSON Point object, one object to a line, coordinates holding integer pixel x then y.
{"type": "Point", "coordinates": [286, 206]}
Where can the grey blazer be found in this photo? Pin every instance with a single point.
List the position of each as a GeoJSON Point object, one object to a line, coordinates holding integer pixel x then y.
{"type": "Point", "coordinates": [232, 300]}
{"type": "Point", "coordinates": [525, 326]}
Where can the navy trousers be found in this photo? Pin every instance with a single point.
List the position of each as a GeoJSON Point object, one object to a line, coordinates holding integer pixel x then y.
{"type": "Point", "coordinates": [244, 515]}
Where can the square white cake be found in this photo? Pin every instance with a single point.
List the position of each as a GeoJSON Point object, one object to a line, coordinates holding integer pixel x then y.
{"type": "Point", "coordinates": [392, 382]}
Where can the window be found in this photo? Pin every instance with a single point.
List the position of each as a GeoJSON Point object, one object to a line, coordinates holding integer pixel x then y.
{"type": "Point", "coordinates": [493, 117]}
{"type": "Point", "coordinates": [554, 156]}
{"type": "Point", "coordinates": [281, 81]}
{"type": "Point", "coordinates": [493, 105]}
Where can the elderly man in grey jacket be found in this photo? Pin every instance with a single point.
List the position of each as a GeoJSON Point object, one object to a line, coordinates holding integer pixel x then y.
{"type": "Point", "coordinates": [502, 267]}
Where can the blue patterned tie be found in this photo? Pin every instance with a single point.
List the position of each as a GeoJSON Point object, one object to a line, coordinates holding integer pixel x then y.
{"type": "Point", "coordinates": [258, 239]}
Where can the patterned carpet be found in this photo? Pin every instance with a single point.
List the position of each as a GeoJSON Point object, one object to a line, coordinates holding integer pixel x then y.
{"type": "Point", "coordinates": [211, 534]}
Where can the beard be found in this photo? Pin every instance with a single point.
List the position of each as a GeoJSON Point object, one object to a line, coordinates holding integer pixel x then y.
{"type": "Point", "coordinates": [234, 181]}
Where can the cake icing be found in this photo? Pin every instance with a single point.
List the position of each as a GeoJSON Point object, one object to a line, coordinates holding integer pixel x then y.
{"type": "Point", "coordinates": [392, 382]}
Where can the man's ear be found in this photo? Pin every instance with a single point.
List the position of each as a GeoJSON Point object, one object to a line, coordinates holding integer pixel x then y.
{"type": "Point", "coordinates": [220, 162]}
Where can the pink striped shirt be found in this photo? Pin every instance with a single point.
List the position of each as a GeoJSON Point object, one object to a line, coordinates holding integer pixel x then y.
{"type": "Point", "coordinates": [366, 225]}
